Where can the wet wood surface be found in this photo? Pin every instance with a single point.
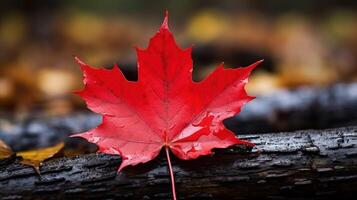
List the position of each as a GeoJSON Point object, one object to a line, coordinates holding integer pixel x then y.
{"type": "Point", "coordinates": [309, 164]}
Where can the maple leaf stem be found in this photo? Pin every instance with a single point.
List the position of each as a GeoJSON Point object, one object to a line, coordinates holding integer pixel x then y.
{"type": "Point", "coordinates": [171, 173]}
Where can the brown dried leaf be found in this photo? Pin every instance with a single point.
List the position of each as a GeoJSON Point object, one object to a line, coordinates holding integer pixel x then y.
{"type": "Point", "coordinates": [5, 151]}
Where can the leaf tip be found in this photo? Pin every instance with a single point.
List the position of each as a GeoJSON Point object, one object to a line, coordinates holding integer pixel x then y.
{"type": "Point", "coordinates": [83, 65]}
{"type": "Point", "coordinates": [77, 92]}
{"type": "Point", "coordinates": [76, 58]}
{"type": "Point", "coordinates": [74, 135]}
{"type": "Point", "coordinates": [257, 63]}
{"type": "Point", "coordinates": [120, 169]}
{"type": "Point", "coordinates": [123, 163]}
{"type": "Point", "coordinates": [253, 66]}
{"type": "Point", "coordinates": [245, 143]}
{"type": "Point", "coordinates": [165, 23]}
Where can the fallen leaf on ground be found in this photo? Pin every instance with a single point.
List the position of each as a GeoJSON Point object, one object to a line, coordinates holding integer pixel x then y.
{"type": "Point", "coordinates": [5, 151]}
{"type": "Point", "coordinates": [35, 157]}
{"type": "Point", "coordinates": [164, 108]}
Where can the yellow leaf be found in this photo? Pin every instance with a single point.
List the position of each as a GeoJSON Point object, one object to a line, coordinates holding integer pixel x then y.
{"type": "Point", "coordinates": [35, 157]}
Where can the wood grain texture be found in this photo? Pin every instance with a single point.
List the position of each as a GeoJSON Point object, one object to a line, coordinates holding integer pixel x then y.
{"type": "Point", "coordinates": [309, 164]}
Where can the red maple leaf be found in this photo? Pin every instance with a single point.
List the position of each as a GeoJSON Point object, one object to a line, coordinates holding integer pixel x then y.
{"type": "Point", "coordinates": [164, 108]}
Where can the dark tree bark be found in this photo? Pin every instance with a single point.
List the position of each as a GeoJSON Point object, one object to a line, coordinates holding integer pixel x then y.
{"type": "Point", "coordinates": [302, 108]}
{"type": "Point", "coordinates": [310, 164]}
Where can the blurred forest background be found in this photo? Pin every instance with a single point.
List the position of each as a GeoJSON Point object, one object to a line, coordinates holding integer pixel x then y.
{"type": "Point", "coordinates": [303, 43]}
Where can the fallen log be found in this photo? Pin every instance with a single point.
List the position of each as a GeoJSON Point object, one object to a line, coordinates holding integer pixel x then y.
{"type": "Point", "coordinates": [300, 108]}
{"type": "Point", "coordinates": [311, 164]}
{"type": "Point", "coordinates": [284, 110]}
